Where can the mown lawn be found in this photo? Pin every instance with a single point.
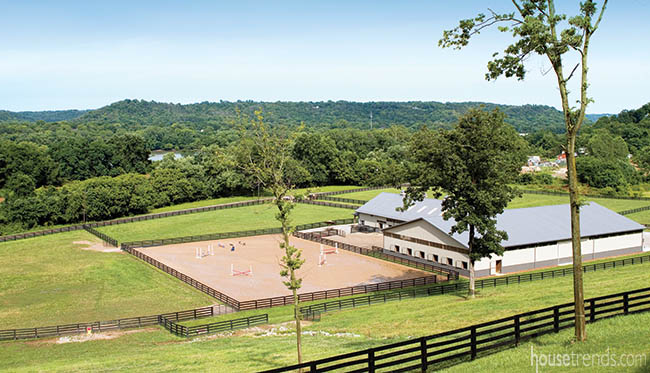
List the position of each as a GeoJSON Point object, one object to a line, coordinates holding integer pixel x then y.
{"type": "Point", "coordinates": [227, 220]}
{"type": "Point", "coordinates": [49, 280]}
{"type": "Point", "coordinates": [610, 343]}
{"type": "Point", "coordinates": [337, 332]}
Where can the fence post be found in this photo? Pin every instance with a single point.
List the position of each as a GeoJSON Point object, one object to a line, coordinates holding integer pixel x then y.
{"type": "Point", "coordinates": [423, 354]}
{"type": "Point", "coordinates": [473, 342]}
{"type": "Point", "coordinates": [592, 314]}
{"type": "Point", "coordinates": [371, 361]}
{"type": "Point", "coordinates": [517, 330]}
{"type": "Point", "coordinates": [556, 319]}
{"type": "Point", "coordinates": [625, 304]}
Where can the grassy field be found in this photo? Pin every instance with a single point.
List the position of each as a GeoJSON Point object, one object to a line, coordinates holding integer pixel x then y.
{"type": "Point", "coordinates": [236, 219]}
{"type": "Point", "coordinates": [49, 280]}
{"type": "Point", "coordinates": [616, 338]}
{"type": "Point", "coordinates": [156, 350]}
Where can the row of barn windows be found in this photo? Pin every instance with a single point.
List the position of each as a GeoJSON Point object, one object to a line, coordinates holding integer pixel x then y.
{"type": "Point", "coordinates": [433, 257]}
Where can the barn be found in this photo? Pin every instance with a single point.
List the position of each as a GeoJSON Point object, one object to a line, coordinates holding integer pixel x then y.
{"type": "Point", "coordinates": [537, 236]}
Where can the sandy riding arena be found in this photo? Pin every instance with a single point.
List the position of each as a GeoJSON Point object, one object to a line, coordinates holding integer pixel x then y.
{"type": "Point", "coordinates": [224, 269]}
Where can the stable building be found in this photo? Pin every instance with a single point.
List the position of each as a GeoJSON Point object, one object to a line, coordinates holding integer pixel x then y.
{"type": "Point", "coordinates": [537, 236]}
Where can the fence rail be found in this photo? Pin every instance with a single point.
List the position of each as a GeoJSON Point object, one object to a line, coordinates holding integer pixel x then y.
{"type": "Point", "coordinates": [104, 237]}
{"type": "Point", "coordinates": [352, 190]}
{"type": "Point", "coordinates": [329, 204]}
{"type": "Point", "coordinates": [216, 327]}
{"type": "Point", "coordinates": [633, 211]}
{"type": "Point", "coordinates": [98, 326]}
{"type": "Point", "coordinates": [183, 277]}
{"type": "Point", "coordinates": [459, 345]}
{"type": "Point", "coordinates": [132, 219]}
{"type": "Point", "coordinates": [219, 236]}
{"type": "Point", "coordinates": [343, 200]}
{"type": "Point", "coordinates": [551, 193]}
{"type": "Point", "coordinates": [315, 309]}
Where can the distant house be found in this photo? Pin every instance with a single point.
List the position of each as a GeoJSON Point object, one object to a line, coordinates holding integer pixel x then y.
{"type": "Point", "coordinates": [537, 236]}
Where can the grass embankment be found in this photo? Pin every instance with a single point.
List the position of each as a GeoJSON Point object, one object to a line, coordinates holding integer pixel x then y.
{"type": "Point", "coordinates": [157, 350]}
{"type": "Point", "coordinates": [49, 280]}
{"type": "Point", "coordinates": [226, 220]}
{"type": "Point", "coordinates": [612, 345]}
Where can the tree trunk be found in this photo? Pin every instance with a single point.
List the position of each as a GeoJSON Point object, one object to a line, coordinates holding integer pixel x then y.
{"type": "Point", "coordinates": [578, 291]}
{"type": "Point", "coordinates": [472, 282]}
{"type": "Point", "coordinates": [297, 316]}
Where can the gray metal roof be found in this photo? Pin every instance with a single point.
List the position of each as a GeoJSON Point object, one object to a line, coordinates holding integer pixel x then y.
{"type": "Point", "coordinates": [525, 226]}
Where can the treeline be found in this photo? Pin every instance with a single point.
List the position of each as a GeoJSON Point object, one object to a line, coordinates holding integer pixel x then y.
{"type": "Point", "coordinates": [334, 157]}
{"type": "Point", "coordinates": [180, 127]}
{"type": "Point", "coordinates": [25, 166]}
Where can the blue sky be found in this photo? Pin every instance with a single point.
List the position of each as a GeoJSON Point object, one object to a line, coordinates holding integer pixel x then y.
{"type": "Point", "coordinates": [81, 54]}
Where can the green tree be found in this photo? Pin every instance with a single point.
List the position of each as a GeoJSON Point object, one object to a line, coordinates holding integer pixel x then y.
{"type": "Point", "coordinates": [266, 155]}
{"type": "Point", "coordinates": [642, 160]}
{"type": "Point", "coordinates": [538, 29]}
{"type": "Point", "coordinates": [472, 165]}
{"type": "Point", "coordinates": [603, 145]}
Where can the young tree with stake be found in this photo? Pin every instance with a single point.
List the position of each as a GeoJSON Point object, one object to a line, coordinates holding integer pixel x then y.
{"type": "Point", "coordinates": [538, 29]}
{"type": "Point", "coordinates": [265, 154]}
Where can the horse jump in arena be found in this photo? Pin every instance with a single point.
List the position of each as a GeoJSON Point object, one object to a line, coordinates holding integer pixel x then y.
{"type": "Point", "coordinates": [234, 272]}
{"type": "Point", "coordinates": [200, 253]}
{"type": "Point", "coordinates": [328, 250]}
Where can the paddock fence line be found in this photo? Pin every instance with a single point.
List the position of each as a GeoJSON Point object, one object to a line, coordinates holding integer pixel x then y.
{"type": "Point", "coordinates": [99, 326]}
{"type": "Point", "coordinates": [343, 200]}
{"type": "Point", "coordinates": [352, 190]}
{"type": "Point", "coordinates": [216, 327]}
{"type": "Point", "coordinates": [234, 303]}
{"type": "Point", "coordinates": [224, 235]}
{"type": "Point", "coordinates": [459, 345]}
{"type": "Point", "coordinates": [633, 211]}
{"type": "Point", "coordinates": [329, 204]}
{"type": "Point", "coordinates": [315, 309]}
{"type": "Point", "coordinates": [552, 193]}
{"type": "Point", "coordinates": [132, 219]}
{"type": "Point", "coordinates": [337, 293]}
{"type": "Point", "coordinates": [104, 237]}
{"type": "Point", "coordinates": [376, 252]}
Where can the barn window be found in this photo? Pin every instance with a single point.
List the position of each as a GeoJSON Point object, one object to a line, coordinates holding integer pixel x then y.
{"type": "Point", "coordinates": [465, 266]}
{"type": "Point", "coordinates": [435, 258]}
{"type": "Point", "coordinates": [422, 254]}
{"type": "Point", "coordinates": [397, 248]}
{"type": "Point", "coordinates": [450, 261]}
{"type": "Point", "coordinates": [409, 251]}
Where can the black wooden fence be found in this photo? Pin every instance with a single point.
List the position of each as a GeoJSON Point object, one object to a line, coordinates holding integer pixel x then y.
{"type": "Point", "coordinates": [104, 237]}
{"type": "Point", "coordinates": [633, 211]}
{"type": "Point", "coordinates": [459, 345]}
{"type": "Point", "coordinates": [343, 200]}
{"type": "Point", "coordinates": [352, 190]}
{"type": "Point", "coordinates": [216, 327]}
{"type": "Point", "coordinates": [134, 219]}
{"type": "Point", "coordinates": [98, 326]}
{"type": "Point", "coordinates": [329, 204]}
{"type": "Point", "coordinates": [315, 309]}
{"type": "Point", "coordinates": [224, 235]}
{"type": "Point", "coordinates": [552, 193]}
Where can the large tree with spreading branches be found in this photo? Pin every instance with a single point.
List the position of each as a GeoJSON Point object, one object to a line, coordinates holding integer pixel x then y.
{"type": "Point", "coordinates": [538, 29]}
